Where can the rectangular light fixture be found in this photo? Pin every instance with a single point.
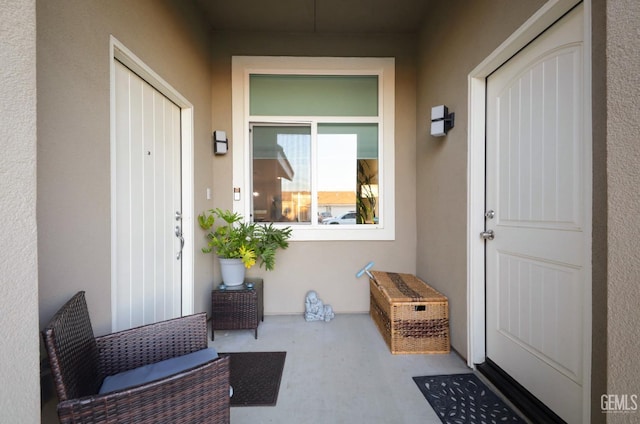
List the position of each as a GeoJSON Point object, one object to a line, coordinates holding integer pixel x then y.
{"type": "Point", "coordinates": [441, 120]}
{"type": "Point", "coordinates": [220, 142]}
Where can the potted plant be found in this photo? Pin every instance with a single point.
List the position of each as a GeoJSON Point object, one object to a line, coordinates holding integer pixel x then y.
{"type": "Point", "coordinates": [239, 244]}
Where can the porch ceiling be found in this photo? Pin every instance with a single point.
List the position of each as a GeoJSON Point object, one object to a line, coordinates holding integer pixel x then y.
{"type": "Point", "coordinates": [320, 16]}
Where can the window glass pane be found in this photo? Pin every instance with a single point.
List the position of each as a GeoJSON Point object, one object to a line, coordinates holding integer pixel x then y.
{"type": "Point", "coordinates": [348, 174]}
{"type": "Point", "coordinates": [281, 173]}
{"type": "Point", "coordinates": [314, 95]}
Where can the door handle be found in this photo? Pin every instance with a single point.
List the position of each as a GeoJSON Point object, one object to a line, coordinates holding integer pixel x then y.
{"type": "Point", "coordinates": [181, 238]}
{"type": "Point", "coordinates": [487, 235]}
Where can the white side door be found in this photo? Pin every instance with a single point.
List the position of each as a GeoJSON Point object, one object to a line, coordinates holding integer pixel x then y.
{"type": "Point", "coordinates": [148, 203]}
{"type": "Point", "coordinates": [538, 188]}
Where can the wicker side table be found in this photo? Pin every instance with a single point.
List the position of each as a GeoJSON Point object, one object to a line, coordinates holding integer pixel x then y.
{"type": "Point", "coordinates": [237, 309]}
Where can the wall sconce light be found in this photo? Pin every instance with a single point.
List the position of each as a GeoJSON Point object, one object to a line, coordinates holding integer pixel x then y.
{"type": "Point", "coordinates": [220, 142]}
{"type": "Point", "coordinates": [441, 120]}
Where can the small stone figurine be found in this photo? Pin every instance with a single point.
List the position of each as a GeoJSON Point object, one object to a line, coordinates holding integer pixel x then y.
{"type": "Point", "coordinates": [315, 310]}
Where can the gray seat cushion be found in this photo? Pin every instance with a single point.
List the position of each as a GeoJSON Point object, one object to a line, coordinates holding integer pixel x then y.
{"type": "Point", "coordinates": [152, 372]}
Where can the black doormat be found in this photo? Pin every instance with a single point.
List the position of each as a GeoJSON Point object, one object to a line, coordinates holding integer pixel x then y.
{"type": "Point", "coordinates": [255, 377]}
{"type": "Point", "coordinates": [463, 398]}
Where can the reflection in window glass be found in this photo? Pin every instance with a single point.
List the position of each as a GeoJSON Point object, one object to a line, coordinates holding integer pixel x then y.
{"type": "Point", "coordinates": [281, 173]}
{"type": "Point", "coordinates": [348, 174]}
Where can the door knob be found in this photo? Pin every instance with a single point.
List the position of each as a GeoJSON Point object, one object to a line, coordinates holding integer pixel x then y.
{"type": "Point", "coordinates": [487, 235]}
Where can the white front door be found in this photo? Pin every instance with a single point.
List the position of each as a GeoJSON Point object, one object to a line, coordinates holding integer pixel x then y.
{"type": "Point", "coordinates": [538, 188]}
{"type": "Point", "coordinates": [148, 226]}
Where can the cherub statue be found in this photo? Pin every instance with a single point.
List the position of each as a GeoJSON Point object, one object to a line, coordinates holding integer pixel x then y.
{"type": "Point", "coordinates": [315, 310]}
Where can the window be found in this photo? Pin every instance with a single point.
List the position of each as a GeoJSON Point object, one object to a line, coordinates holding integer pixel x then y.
{"type": "Point", "coordinates": [314, 145]}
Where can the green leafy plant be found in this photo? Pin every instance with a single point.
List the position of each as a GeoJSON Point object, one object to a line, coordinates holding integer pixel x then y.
{"type": "Point", "coordinates": [235, 238]}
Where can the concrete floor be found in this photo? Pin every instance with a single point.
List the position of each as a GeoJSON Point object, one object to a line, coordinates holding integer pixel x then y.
{"type": "Point", "coordinates": [338, 372]}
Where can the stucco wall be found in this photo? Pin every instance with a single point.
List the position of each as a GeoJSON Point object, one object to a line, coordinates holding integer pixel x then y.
{"type": "Point", "coordinates": [623, 203]}
{"type": "Point", "coordinates": [328, 267]}
{"type": "Point", "coordinates": [73, 133]}
{"type": "Point", "coordinates": [19, 364]}
{"type": "Point", "coordinates": [450, 48]}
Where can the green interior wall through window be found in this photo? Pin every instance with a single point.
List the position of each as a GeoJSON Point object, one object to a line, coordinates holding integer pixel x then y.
{"type": "Point", "coordinates": [313, 95]}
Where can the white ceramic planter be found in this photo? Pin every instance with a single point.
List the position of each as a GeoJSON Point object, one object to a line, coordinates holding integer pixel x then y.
{"type": "Point", "coordinates": [233, 271]}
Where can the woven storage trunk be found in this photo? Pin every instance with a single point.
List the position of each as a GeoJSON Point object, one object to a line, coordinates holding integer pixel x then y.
{"type": "Point", "coordinates": [411, 316]}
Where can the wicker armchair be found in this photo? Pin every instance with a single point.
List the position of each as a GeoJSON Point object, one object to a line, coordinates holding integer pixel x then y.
{"type": "Point", "coordinates": [80, 362]}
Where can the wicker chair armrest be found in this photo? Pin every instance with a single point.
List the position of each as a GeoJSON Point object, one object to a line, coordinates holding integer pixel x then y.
{"type": "Point", "coordinates": [151, 343]}
{"type": "Point", "coordinates": [197, 395]}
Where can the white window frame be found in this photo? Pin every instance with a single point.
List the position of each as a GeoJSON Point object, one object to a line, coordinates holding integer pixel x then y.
{"type": "Point", "coordinates": [384, 68]}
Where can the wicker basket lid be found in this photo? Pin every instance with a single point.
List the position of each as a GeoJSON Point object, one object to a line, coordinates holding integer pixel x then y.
{"type": "Point", "coordinates": [405, 287]}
